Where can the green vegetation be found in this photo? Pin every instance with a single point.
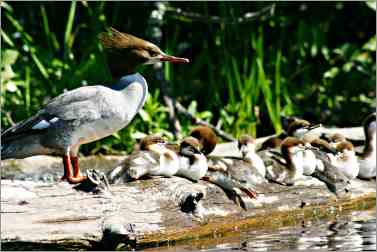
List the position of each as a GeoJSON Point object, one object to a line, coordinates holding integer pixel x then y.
{"type": "Point", "coordinates": [315, 60]}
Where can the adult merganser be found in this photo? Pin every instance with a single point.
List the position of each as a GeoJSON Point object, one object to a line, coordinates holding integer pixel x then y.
{"type": "Point", "coordinates": [289, 167]}
{"type": "Point", "coordinates": [89, 113]}
{"type": "Point", "coordinates": [367, 159]}
{"type": "Point", "coordinates": [153, 159]}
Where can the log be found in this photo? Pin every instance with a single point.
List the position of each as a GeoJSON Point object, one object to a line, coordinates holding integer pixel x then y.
{"type": "Point", "coordinates": [40, 213]}
{"type": "Point", "coordinates": [148, 213]}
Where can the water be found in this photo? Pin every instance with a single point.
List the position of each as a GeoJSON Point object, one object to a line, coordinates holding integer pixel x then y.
{"type": "Point", "coordinates": [352, 232]}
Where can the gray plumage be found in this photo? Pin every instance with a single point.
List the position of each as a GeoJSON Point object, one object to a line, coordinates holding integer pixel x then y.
{"type": "Point", "coordinates": [76, 117]}
{"type": "Point", "coordinates": [334, 179]}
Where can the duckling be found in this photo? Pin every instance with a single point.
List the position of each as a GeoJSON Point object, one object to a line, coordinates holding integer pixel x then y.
{"type": "Point", "coordinates": [248, 170]}
{"type": "Point", "coordinates": [273, 142]}
{"type": "Point", "coordinates": [295, 127]}
{"type": "Point", "coordinates": [346, 160]}
{"type": "Point", "coordinates": [367, 159]}
{"type": "Point", "coordinates": [334, 139]}
{"type": "Point", "coordinates": [299, 128]}
{"type": "Point", "coordinates": [206, 137]}
{"type": "Point", "coordinates": [192, 162]}
{"type": "Point", "coordinates": [230, 173]}
{"type": "Point", "coordinates": [323, 145]}
{"type": "Point", "coordinates": [247, 145]}
{"type": "Point", "coordinates": [153, 159]}
{"type": "Point", "coordinates": [288, 167]}
{"type": "Point", "coordinates": [325, 171]}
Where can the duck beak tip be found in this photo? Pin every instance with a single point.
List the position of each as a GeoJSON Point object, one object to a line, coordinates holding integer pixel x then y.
{"type": "Point", "coordinates": [173, 59]}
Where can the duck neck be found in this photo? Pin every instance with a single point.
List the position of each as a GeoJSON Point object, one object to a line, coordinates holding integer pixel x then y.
{"type": "Point", "coordinates": [135, 90]}
{"type": "Point", "coordinates": [295, 162]}
{"type": "Point", "coordinates": [370, 145]}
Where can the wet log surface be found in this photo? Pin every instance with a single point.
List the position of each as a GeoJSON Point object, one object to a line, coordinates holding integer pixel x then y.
{"type": "Point", "coordinates": [37, 212]}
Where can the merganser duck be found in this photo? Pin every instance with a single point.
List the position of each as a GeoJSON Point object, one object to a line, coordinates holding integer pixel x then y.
{"type": "Point", "coordinates": [310, 163]}
{"type": "Point", "coordinates": [325, 171]}
{"type": "Point", "coordinates": [333, 139]}
{"type": "Point", "coordinates": [89, 113]}
{"type": "Point", "coordinates": [323, 146]}
{"type": "Point", "coordinates": [153, 159]}
{"type": "Point", "coordinates": [247, 146]}
{"type": "Point", "coordinates": [273, 142]}
{"type": "Point", "coordinates": [287, 168]}
{"type": "Point", "coordinates": [295, 127]}
{"type": "Point", "coordinates": [299, 128]}
{"type": "Point", "coordinates": [231, 178]}
{"type": "Point", "coordinates": [367, 159]}
{"type": "Point", "coordinates": [207, 138]}
{"type": "Point", "coordinates": [345, 160]}
{"type": "Point", "coordinates": [192, 163]}
{"type": "Point", "coordinates": [249, 170]}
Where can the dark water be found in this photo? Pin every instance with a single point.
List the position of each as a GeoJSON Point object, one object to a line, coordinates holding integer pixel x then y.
{"type": "Point", "coordinates": [353, 232]}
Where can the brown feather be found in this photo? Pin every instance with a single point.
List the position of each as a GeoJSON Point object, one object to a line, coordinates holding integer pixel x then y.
{"type": "Point", "coordinates": [207, 138]}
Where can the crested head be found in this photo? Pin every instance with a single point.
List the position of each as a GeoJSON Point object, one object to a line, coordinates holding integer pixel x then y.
{"type": "Point", "coordinates": [114, 40]}
{"type": "Point", "coordinates": [192, 142]}
{"type": "Point", "coordinates": [246, 144]}
{"type": "Point", "coordinates": [296, 125]}
{"type": "Point", "coordinates": [125, 52]}
{"type": "Point", "coordinates": [286, 121]}
{"type": "Point", "coordinates": [190, 148]}
{"type": "Point", "coordinates": [246, 139]}
{"type": "Point", "coordinates": [207, 138]}
{"type": "Point", "coordinates": [147, 141]}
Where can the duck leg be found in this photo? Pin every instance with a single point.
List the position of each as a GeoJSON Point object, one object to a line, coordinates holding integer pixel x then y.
{"type": "Point", "coordinates": [77, 177]}
{"type": "Point", "coordinates": [68, 161]}
{"type": "Point", "coordinates": [67, 167]}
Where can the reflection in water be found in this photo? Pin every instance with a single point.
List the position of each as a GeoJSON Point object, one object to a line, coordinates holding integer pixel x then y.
{"type": "Point", "coordinates": [354, 232]}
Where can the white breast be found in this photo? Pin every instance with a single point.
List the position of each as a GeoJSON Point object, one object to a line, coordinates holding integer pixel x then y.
{"type": "Point", "coordinates": [310, 162]}
{"type": "Point", "coordinates": [195, 171]}
{"type": "Point", "coordinates": [367, 166]}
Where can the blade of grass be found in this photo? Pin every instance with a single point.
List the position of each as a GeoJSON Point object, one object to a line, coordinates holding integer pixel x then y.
{"type": "Point", "coordinates": [7, 39]}
{"type": "Point", "coordinates": [19, 28]}
{"type": "Point", "coordinates": [277, 83]}
{"type": "Point", "coordinates": [46, 27]}
{"type": "Point", "coordinates": [68, 29]}
{"type": "Point", "coordinates": [27, 89]}
{"type": "Point", "coordinates": [265, 85]}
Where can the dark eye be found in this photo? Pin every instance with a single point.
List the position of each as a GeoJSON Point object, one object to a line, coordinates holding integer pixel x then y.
{"type": "Point", "coordinates": [153, 54]}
